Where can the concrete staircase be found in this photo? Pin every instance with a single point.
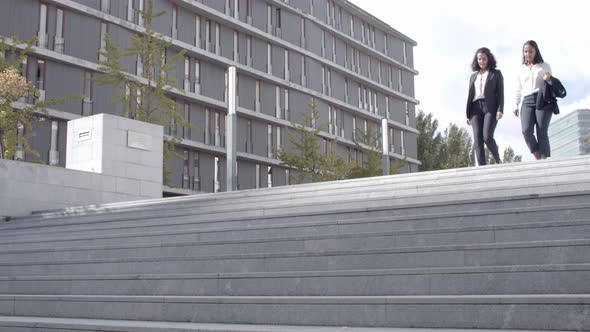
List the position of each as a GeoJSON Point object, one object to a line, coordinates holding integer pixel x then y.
{"type": "Point", "coordinates": [503, 247]}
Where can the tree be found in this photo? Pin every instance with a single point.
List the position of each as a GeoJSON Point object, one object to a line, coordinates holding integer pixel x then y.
{"type": "Point", "coordinates": [307, 158]}
{"type": "Point", "coordinates": [371, 164]}
{"type": "Point", "coordinates": [457, 147]}
{"type": "Point", "coordinates": [16, 124]}
{"type": "Point", "coordinates": [510, 156]}
{"type": "Point", "coordinates": [145, 98]}
{"type": "Point", "coordinates": [430, 142]}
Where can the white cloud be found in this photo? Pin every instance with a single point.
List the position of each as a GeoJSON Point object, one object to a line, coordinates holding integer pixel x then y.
{"type": "Point", "coordinates": [448, 32]}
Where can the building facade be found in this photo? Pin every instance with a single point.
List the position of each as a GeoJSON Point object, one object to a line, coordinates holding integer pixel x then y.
{"type": "Point", "coordinates": [570, 134]}
{"type": "Point", "coordinates": [356, 70]}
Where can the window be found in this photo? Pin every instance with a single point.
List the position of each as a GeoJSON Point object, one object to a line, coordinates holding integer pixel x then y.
{"type": "Point", "coordinates": [346, 98]}
{"type": "Point", "coordinates": [249, 138]}
{"type": "Point", "coordinates": [42, 32]}
{"type": "Point", "coordinates": [197, 31]}
{"type": "Point", "coordinates": [105, 6]}
{"type": "Point", "coordinates": [407, 114]}
{"type": "Point", "coordinates": [185, 170]}
{"type": "Point", "coordinates": [217, 137]}
{"type": "Point", "coordinates": [323, 44]}
{"type": "Point", "coordinates": [387, 115]}
{"type": "Point", "coordinates": [391, 140]}
{"type": "Point", "coordinates": [303, 77]}
{"type": "Point", "coordinates": [87, 102]}
{"type": "Point", "coordinates": [269, 19]}
{"type": "Point", "coordinates": [278, 111]}
{"type": "Point", "coordinates": [399, 80]}
{"type": "Point", "coordinates": [216, 47]}
{"type": "Point", "coordinates": [386, 49]}
{"type": "Point", "coordinates": [130, 11]}
{"type": "Point", "coordinates": [379, 73]}
{"type": "Point", "coordinates": [173, 130]}
{"type": "Point", "coordinates": [278, 20]}
{"type": "Point", "coordinates": [258, 97]}
{"type": "Point", "coordinates": [249, 51]}
{"type": "Point", "coordinates": [197, 76]}
{"type": "Point", "coordinates": [217, 176]}
{"type": "Point", "coordinates": [58, 39]}
{"type": "Point", "coordinates": [405, 53]}
{"type": "Point", "coordinates": [207, 126]}
{"type": "Point", "coordinates": [287, 112]}
{"type": "Point", "coordinates": [186, 82]}
{"type": "Point", "coordinates": [174, 22]}
{"type": "Point", "coordinates": [287, 74]}
{"type": "Point", "coordinates": [354, 127]}
{"type": "Point", "coordinates": [279, 140]}
{"type": "Point", "coordinates": [268, 58]}
{"type": "Point", "coordinates": [186, 130]}
{"type": "Point", "coordinates": [139, 66]}
{"type": "Point", "coordinates": [53, 145]}
{"type": "Point", "coordinates": [139, 14]}
{"type": "Point", "coordinates": [20, 151]}
{"type": "Point", "coordinates": [302, 38]}
{"type": "Point", "coordinates": [258, 184]}
{"type": "Point", "coordinates": [287, 177]}
{"type": "Point", "coordinates": [196, 171]}
{"type": "Point", "coordinates": [402, 143]}
{"type": "Point", "coordinates": [236, 53]}
{"type": "Point", "coordinates": [269, 145]}
{"type": "Point", "coordinates": [40, 82]}
{"type": "Point", "coordinates": [208, 36]}
{"type": "Point", "coordinates": [104, 28]}
{"type": "Point", "coordinates": [269, 176]}
{"type": "Point", "coordinates": [249, 11]}
{"type": "Point", "coordinates": [334, 49]}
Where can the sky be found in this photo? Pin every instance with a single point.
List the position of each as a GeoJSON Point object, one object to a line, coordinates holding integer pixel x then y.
{"type": "Point", "coordinates": [449, 32]}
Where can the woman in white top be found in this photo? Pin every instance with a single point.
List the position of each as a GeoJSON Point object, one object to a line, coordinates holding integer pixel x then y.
{"type": "Point", "coordinates": [485, 103]}
{"type": "Point", "coordinates": [531, 76]}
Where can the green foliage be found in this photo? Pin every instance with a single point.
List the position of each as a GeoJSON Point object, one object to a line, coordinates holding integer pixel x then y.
{"type": "Point", "coordinates": [306, 158]}
{"type": "Point", "coordinates": [13, 52]}
{"type": "Point", "coordinates": [510, 156]}
{"type": "Point", "coordinates": [145, 98]}
{"type": "Point", "coordinates": [368, 143]}
{"type": "Point", "coordinates": [452, 150]}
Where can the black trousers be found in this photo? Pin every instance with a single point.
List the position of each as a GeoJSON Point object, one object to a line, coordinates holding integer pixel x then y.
{"type": "Point", "coordinates": [484, 124]}
{"type": "Point", "coordinates": [533, 120]}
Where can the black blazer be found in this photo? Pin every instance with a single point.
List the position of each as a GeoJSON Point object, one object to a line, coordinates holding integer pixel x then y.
{"type": "Point", "coordinates": [548, 94]}
{"type": "Point", "coordinates": [493, 92]}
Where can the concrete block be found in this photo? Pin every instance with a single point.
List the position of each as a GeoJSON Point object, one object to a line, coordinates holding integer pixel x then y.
{"type": "Point", "coordinates": [128, 186]}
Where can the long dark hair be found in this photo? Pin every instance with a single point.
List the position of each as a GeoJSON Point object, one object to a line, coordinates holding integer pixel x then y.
{"type": "Point", "coordinates": [538, 57]}
{"type": "Point", "coordinates": [491, 59]}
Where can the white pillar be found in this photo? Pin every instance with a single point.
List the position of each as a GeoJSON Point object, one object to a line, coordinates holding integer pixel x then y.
{"type": "Point", "coordinates": [385, 145]}
{"type": "Point", "coordinates": [231, 130]}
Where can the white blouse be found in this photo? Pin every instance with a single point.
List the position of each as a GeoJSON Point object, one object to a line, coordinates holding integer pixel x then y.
{"type": "Point", "coordinates": [530, 80]}
{"type": "Point", "coordinates": [480, 85]}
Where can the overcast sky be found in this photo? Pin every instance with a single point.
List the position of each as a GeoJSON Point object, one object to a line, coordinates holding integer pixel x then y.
{"type": "Point", "coordinates": [448, 33]}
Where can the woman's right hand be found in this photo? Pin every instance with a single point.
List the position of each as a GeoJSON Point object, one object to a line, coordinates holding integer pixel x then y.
{"type": "Point", "coordinates": [516, 112]}
{"type": "Point", "coordinates": [468, 122]}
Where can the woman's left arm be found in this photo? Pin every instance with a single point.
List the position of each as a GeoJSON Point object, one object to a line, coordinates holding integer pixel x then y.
{"type": "Point", "coordinates": [500, 92]}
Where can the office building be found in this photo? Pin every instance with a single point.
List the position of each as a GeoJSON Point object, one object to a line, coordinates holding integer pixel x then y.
{"type": "Point", "coordinates": [353, 67]}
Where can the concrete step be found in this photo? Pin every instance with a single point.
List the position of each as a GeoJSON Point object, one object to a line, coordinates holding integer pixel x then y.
{"type": "Point", "coordinates": [296, 228]}
{"type": "Point", "coordinates": [539, 231]}
{"type": "Point", "coordinates": [463, 209]}
{"type": "Point", "coordinates": [517, 253]}
{"type": "Point", "coordinates": [48, 324]}
{"type": "Point", "coordinates": [434, 189]}
{"type": "Point", "coordinates": [490, 280]}
{"type": "Point", "coordinates": [542, 312]}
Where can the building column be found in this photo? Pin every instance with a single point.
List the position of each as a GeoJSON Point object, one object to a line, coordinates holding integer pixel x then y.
{"type": "Point", "coordinates": [385, 145]}
{"type": "Point", "coordinates": [231, 130]}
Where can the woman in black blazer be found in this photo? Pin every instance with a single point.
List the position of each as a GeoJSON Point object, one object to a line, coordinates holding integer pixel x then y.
{"type": "Point", "coordinates": [485, 103]}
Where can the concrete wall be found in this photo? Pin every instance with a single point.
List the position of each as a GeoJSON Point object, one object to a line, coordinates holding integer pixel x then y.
{"type": "Point", "coordinates": [27, 187]}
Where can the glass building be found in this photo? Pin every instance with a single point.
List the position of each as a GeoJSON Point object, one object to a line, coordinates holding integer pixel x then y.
{"type": "Point", "coordinates": [570, 134]}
